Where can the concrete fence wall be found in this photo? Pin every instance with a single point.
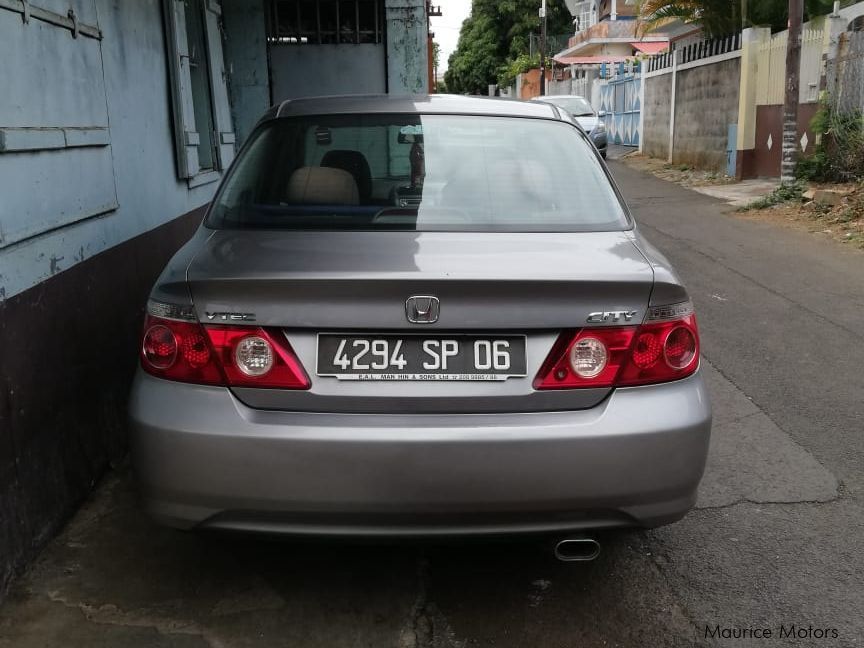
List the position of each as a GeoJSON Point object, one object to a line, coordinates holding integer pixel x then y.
{"type": "Point", "coordinates": [560, 87]}
{"type": "Point", "coordinates": [706, 103]}
{"type": "Point", "coordinates": [528, 84]}
{"type": "Point", "coordinates": [657, 109]}
{"type": "Point", "coordinates": [688, 109]}
{"type": "Point", "coordinates": [723, 111]}
{"type": "Point", "coordinates": [771, 80]}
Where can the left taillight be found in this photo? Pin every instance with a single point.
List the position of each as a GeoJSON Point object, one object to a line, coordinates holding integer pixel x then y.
{"type": "Point", "coordinates": [665, 347]}
{"type": "Point", "coordinates": [235, 356]}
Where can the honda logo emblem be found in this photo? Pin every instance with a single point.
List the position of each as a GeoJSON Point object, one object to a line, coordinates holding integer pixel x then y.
{"type": "Point", "coordinates": [422, 309]}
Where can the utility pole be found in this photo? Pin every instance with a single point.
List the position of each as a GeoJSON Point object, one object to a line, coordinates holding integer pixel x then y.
{"type": "Point", "coordinates": [790, 105]}
{"type": "Point", "coordinates": [430, 47]}
{"type": "Point", "coordinates": [543, 49]}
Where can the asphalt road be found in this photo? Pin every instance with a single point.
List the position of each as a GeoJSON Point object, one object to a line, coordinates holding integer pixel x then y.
{"type": "Point", "coordinates": [777, 538]}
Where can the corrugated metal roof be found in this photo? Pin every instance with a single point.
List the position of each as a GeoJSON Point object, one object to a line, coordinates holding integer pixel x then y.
{"type": "Point", "coordinates": [651, 47]}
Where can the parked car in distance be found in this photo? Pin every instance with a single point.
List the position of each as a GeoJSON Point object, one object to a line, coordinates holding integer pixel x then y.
{"type": "Point", "coordinates": [581, 110]}
{"type": "Point", "coordinates": [408, 316]}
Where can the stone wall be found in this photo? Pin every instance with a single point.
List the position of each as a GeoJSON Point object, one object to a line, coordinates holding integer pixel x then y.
{"type": "Point", "coordinates": [657, 107]}
{"type": "Point", "coordinates": [706, 103]}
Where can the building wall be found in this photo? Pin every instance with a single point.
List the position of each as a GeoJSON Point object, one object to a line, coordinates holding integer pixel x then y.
{"type": "Point", "coordinates": [315, 70]}
{"type": "Point", "coordinates": [657, 108]}
{"type": "Point", "coordinates": [706, 102]}
{"type": "Point", "coordinates": [406, 28]}
{"type": "Point", "coordinates": [92, 208]}
{"type": "Point", "coordinates": [116, 88]}
{"type": "Point", "coordinates": [396, 65]}
{"type": "Point", "coordinates": [101, 183]}
{"type": "Point", "coordinates": [246, 58]}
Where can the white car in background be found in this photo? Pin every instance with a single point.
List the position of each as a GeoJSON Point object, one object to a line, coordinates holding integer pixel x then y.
{"type": "Point", "coordinates": [581, 110]}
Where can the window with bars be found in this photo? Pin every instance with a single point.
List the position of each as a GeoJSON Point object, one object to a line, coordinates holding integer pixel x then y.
{"type": "Point", "coordinates": [325, 22]}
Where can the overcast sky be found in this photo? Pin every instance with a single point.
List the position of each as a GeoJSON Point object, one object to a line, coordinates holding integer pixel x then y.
{"type": "Point", "coordinates": [446, 27]}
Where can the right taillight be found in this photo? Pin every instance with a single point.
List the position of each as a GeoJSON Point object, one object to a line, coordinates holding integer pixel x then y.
{"type": "Point", "coordinates": [236, 356]}
{"type": "Point", "coordinates": [665, 347]}
{"type": "Point", "coordinates": [662, 351]}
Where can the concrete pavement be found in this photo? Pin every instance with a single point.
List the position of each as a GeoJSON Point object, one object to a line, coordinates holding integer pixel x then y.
{"type": "Point", "coordinates": [736, 194]}
{"type": "Point", "coordinates": [775, 539]}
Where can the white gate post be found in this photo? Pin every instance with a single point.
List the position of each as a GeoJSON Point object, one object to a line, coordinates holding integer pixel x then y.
{"type": "Point", "coordinates": [672, 104]}
{"type": "Point", "coordinates": [642, 68]}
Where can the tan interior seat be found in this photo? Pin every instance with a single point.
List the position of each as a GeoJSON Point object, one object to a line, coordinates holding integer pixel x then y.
{"type": "Point", "coordinates": [322, 186]}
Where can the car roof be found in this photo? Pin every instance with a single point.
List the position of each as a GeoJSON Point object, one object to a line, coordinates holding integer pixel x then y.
{"type": "Point", "coordinates": [545, 97]}
{"type": "Point", "coordinates": [412, 104]}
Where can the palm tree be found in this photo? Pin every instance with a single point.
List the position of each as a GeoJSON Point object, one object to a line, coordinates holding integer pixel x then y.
{"type": "Point", "coordinates": [721, 17]}
{"type": "Point", "coordinates": [654, 13]}
{"type": "Point", "coordinates": [716, 16]}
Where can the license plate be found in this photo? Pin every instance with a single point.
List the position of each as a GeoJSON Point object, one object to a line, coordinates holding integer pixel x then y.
{"type": "Point", "coordinates": [421, 357]}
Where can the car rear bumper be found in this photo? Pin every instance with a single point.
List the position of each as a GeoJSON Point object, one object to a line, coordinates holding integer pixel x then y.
{"type": "Point", "coordinates": [203, 459]}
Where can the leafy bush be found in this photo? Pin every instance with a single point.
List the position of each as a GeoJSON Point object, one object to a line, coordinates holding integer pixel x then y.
{"type": "Point", "coordinates": [784, 193]}
{"type": "Point", "coordinates": [510, 70]}
{"type": "Point", "coordinates": [815, 168]}
{"type": "Point", "coordinates": [839, 157]}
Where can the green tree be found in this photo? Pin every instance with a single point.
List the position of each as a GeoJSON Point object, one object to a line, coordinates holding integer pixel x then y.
{"type": "Point", "coordinates": [720, 17]}
{"type": "Point", "coordinates": [495, 34]}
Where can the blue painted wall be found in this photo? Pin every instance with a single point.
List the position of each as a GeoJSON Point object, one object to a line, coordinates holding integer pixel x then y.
{"type": "Point", "coordinates": [89, 207]}
{"type": "Point", "coordinates": [63, 205]}
{"type": "Point", "coordinates": [88, 161]}
{"type": "Point", "coordinates": [246, 58]}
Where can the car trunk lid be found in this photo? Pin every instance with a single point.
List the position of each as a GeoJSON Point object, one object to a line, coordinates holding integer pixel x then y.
{"type": "Point", "coordinates": [307, 283]}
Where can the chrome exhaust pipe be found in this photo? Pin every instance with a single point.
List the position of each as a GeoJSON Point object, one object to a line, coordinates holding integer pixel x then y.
{"type": "Point", "coordinates": [577, 549]}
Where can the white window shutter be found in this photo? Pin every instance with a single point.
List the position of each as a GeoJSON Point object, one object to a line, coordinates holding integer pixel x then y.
{"type": "Point", "coordinates": [186, 137]}
{"type": "Point", "coordinates": [223, 123]}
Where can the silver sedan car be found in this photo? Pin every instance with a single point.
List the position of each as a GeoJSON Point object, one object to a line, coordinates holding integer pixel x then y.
{"type": "Point", "coordinates": [580, 109]}
{"type": "Point", "coordinates": [408, 316]}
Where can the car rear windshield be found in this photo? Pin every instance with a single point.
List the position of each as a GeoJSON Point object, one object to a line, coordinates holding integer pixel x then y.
{"type": "Point", "coordinates": [576, 106]}
{"type": "Point", "coordinates": [418, 172]}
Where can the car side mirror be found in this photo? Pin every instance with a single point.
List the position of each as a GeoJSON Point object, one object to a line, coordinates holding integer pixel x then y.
{"type": "Point", "coordinates": [602, 113]}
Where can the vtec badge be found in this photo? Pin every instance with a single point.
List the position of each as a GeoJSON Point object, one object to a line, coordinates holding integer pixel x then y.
{"type": "Point", "coordinates": [610, 316]}
{"type": "Point", "coordinates": [231, 317]}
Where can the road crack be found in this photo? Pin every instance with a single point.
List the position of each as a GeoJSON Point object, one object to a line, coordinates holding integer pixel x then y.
{"type": "Point", "coordinates": [745, 500]}
{"type": "Point", "coordinates": [426, 626]}
{"type": "Point", "coordinates": [109, 614]}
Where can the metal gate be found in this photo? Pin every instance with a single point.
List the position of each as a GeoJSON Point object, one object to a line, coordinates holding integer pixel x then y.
{"type": "Point", "coordinates": [322, 47]}
{"type": "Point", "coordinates": [620, 101]}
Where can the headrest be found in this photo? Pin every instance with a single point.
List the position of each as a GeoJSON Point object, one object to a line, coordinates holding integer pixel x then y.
{"type": "Point", "coordinates": [355, 163]}
{"type": "Point", "coordinates": [322, 186]}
